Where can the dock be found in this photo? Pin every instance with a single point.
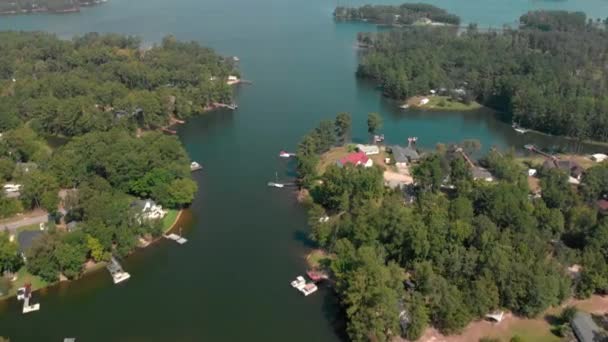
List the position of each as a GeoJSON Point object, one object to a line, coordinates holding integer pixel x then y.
{"type": "Point", "coordinates": [25, 294]}
{"type": "Point", "coordinates": [176, 238]}
{"type": "Point", "coordinates": [116, 271]}
{"type": "Point", "coordinates": [233, 106]}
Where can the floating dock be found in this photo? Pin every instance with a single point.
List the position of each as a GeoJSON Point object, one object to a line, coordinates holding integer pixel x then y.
{"type": "Point", "coordinates": [116, 271]}
{"type": "Point", "coordinates": [176, 238]}
{"type": "Point", "coordinates": [301, 285]}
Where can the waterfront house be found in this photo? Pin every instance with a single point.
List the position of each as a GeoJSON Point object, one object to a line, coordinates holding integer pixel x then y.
{"type": "Point", "coordinates": [585, 329]}
{"type": "Point", "coordinates": [572, 169]}
{"type": "Point", "coordinates": [357, 158]}
{"type": "Point", "coordinates": [369, 150]}
{"type": "Point", "coordinates": [148, 209]}
{"type": "Point", "coordinates": [479, 173]}
{"type": "Point", "coordinates": [404, 155]}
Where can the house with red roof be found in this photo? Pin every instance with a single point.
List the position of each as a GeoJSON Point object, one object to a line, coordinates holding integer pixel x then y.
{"type": "Point", "coordinates": [357, 158]}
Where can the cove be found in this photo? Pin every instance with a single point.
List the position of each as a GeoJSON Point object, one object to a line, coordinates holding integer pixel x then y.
{"type": "Point", "coordinates": [246, 241]}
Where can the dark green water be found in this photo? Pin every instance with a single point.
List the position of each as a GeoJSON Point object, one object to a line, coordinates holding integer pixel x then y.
{"type": "Point", "coordinates": [246, 241]}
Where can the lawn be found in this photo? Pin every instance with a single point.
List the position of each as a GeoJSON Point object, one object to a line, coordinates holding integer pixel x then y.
{"type": "Point", "coordinates": [318, 258]}
{"type": "Point", "coordinates": [532, 333]}
{"type": "Point", "coordinates": [537, 160]}
{"type": "Point", "coordinates": [330, 157]}
{"type": "Point", "coordinates": [443, 103]}
{"type": "Point", "coordinates": [169, 219]}
{"type": "Point", "coordinates": [23, 276]}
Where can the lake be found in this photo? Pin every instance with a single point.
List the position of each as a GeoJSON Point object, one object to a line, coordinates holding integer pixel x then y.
{"type": "Point", "coordinates": [230, 282]}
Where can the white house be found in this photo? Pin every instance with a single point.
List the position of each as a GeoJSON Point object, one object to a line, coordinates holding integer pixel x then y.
{"type": "Point", "coordinates": [149, 209]}
{"type": "Point", "coordinates": [368, 149]}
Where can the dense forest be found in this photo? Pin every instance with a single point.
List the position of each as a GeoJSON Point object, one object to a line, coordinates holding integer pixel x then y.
{"type": "Point", "coordinates": [103, 97]}
{"type": "Point", "coordinates": [461, 248]}
{"type": "Point", "coordinates": [549, 75]}
{"type": "Point", "coordinates": [98, 82]}
{"type": "Point", "coordinates": [406, 14]}
{"type": "Point", "coordinates": [29, 6]}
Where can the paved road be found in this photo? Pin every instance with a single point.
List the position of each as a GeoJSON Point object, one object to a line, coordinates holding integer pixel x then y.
{"type": "Point", "coordinates": [27, 221]}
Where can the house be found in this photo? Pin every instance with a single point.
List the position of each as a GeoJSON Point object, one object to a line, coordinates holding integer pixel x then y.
{"type": "Point", "coordinates": [369, 150]}
{"type": "Point", "coordinates": [233, 80]}
{"type": "Point", "coordinates": [12, 190]}
{"type": "Point", "coordinates": [585, 329]}
{"type": "Point", "coordinates": [404, 155]}
{"type": "Point", "coordinates": [572, 168]}
{"type": "Point", "coordinates": [479, 173]}
{"type": "Point", "coordinates": [148, 209]}
{"type": "Point", "coordinates": [357, 158]}
{"type": "Point", "coordinates": [599, 157]}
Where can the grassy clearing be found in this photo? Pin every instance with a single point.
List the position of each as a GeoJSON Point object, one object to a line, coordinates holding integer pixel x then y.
{"type": "Point", "coordinates": [330, 157]}
{"type": "Point", "coordinates": [23, 277]}
{"type": "Point", "coordinates": [318, 259]}
{"type": "Point", "coordinates": [536, 160]}
{"type": "Point", "coordinates": [170, 219]}
{"type": "Point", "coordinates": [531, 333]}
{"type": "Point", "coordinates": [443, 103]}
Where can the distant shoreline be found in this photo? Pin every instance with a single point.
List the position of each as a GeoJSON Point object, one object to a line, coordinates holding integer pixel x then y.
{"type": "Point", "coordinates": [40, 10]}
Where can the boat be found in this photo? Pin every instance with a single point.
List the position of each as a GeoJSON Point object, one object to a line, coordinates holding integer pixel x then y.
{"type": "Point", "coordinates": [21, 293]}
{"type": "Point", "coordinates": [235, 58]}
{"type": "Point", "coordinates": [194, 166]}
{"type": "Point", "coordinates": [308, 289]}
{"type": "Point", "coordinates": [276, 183]}
{"type": "Point", "coordinates": [284, 154]}
{"type": "Point", "coordinates": [405, 106]}
{"type": "Point", "coordinates": [316, 276]}
{"type": "Point", "coordinates": [31, 308]}
{"type": "Point", "coordinates": [299, 283]}
{"type": "Point", "coordinates": [519, 129]}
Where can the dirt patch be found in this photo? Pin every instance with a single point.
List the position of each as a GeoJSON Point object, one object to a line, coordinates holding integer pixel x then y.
{"type": "Point", "coordinates": [395, 180]}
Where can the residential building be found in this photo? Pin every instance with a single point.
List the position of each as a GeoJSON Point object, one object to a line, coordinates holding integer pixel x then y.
{"type": "Point", "coordinates": [369, 150]}
{"type": "Point", "coordinates": [404, 155]}
{"type": "Point", "coordinates": [357, 158]}
{"type": "Point", "coordinates": [586, 330]}
{"type": "Point", "coordinates": [149, 210]}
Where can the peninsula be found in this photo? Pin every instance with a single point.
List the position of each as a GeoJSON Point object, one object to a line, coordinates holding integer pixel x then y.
{"type": "Point", "coordinates": [547, 75]}
{"type": "Point", "coordinates": [8, 7]}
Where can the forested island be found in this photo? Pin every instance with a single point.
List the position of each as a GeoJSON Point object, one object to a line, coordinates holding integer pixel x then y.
{"type": "Point", "coordinates": [40, 6]}
{"type": "Point", "coordinates": [451, 247]}
{"type": "Point", "coordinates": [406, 14]}
{"type": "Point", "coordinates": [548, 75]}
{"type": "Point", "coordinates": [104, 97]}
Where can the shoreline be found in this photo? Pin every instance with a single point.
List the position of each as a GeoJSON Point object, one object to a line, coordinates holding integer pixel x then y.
{"type": "Point", "coordinates": [90, 268]}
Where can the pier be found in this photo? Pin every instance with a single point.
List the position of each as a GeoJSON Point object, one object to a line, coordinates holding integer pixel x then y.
{"type": "Point", "coordinates": [116, 271]}
{"type": "Point", "coordinates": [227, 106]}
{"type": "Point", "coordinates": [175, 238]}
{"type": "Point", "coordinates": [25, 294]}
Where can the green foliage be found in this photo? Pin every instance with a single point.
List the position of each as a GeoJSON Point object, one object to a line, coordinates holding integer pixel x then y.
{"type": "Point", "coordinates": [343, 185]}
{"type": "Point", "coordinates": [524, 72]}
{"type": "Point", "coordinates": [406, 14]}
{"type": "Point", "coordinates": [557, 192]}
{"type": "Point", "coordinates": [343, 125]}
{"type": "Point", "coordinates": [430, 174]}
{"type": "Point", "coordinates": [9, 206]}
{"type": "Point", "coordinates": [41, 259]}
{"type": "Point", "coordinates": [40, 190]}
{"type": "Point", "coordinates": [568, 314]}
{"type": "Point", "coordinates": [98, 82]}
{"type": "Point", "coordinates": [595, 182]}
{"type": "Point", "coordinates": [374, 123]}
{"type": "Point", "coordinates": [10, 260]}
{"type": "Point", "coordinates": [419, 317]}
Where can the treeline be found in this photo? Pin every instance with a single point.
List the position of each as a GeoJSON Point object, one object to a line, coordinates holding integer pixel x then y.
{"type": "Point", "coordinates": [462, 249]}
{"type": "Point", "coordinates": [28, 6]}
{"type": "Point", "coordinates": [71, 143]}
{"type": "Point", "coordinates": [406, 14]}
{"type": "Point", "coordinates": [549, 75]}
{"type": "Point", "coordinates": [98, 82]}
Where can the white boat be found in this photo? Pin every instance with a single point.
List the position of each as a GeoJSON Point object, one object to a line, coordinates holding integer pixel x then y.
{"type": "Point", "coordinates": [116, 271]}
{"type": "Point", "coordinates": [519, 129]}
{"type": "Point", "coordinates": [119, 277]}
{"type": "Point", "coordinates": [405, 106]}
{"type": "Point", "coordinates": [299, 283]}
{"type": "Point", "coordinates": [309, 288]}
{"type": "Point", "coordinates": [275, 185]}
{"type": "Point", "coordinates": [284, 154]}
{"type": "Point", "coordinates": [194, 166]}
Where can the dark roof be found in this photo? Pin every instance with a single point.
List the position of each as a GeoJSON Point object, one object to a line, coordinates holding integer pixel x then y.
{"type": "Point", "coordinates": [27, 238]}
{"type": "Point", "coordinates": [404, 154]}
{"type": "Point", "coordinates": [585, 328]}
{"type": "Point", "coordinates": [573, 168]}
{"type": "Point", "coordinates": [602, 205]}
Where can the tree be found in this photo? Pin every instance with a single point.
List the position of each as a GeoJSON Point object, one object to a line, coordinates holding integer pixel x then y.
{"type": "Point", "coordinates": [70, 258]}
{"type": "Point", "coordinates": [10, 260]}
{"type": "Point", "coordinates": [325, 136]}
{"type": "Point", "coordinates": [178, 193]}
{"type": "Point", "coordinates": [374, 123]}
{"type": "Point", "coordinates": [41, 260]}
{"type": "Point", "coordinates": [40, 190]}
{"type": "Point", "coordinates": [429, 173]}
{"type": "Point", "coordinates": [96, 249]}
{"type": "Point", "coordinates": [557, 192]}
{"type": "Point", "coordinates": [419, 317]}
{"type": "Point", "coordinates": [343, 127]}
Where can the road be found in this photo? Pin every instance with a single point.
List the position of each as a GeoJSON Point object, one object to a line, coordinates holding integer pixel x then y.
{"type": "Point", "coordinates": [26, 221]}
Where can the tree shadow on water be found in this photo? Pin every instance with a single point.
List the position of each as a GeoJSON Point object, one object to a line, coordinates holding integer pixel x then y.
{"type": "Point", "coordinates": [333, 312]}
{"type": "Point", "coordinates": [302, 237]}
